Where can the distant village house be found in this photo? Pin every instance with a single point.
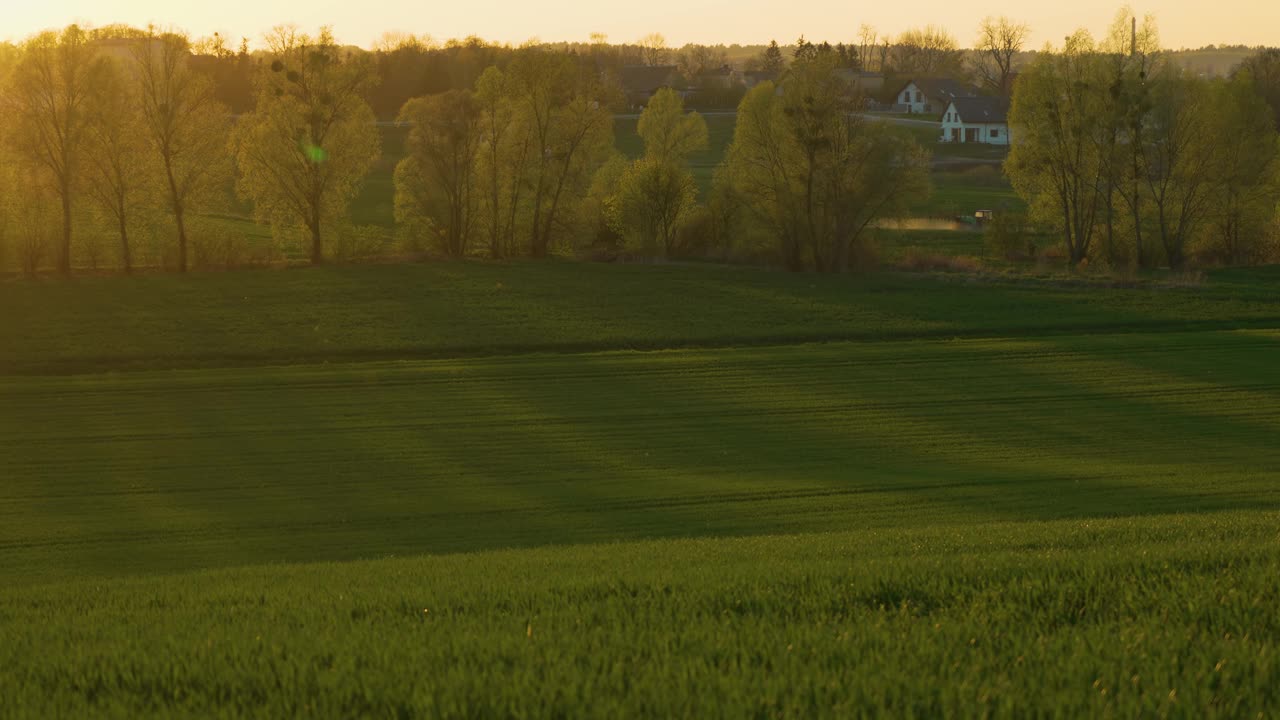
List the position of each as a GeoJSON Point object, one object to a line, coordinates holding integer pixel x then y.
{"type": "Point", "coordinates": [752, 78]}
{"type": "Point", "coordinates": [641, 82]}
{"type": "Point", "coordinates": [722, 78]}
{"type": "Point", "coordinates": [976, 120]}
{"type": "Point", "coordinates": [865, 84]}
{"type": "Point", "coordinates": [931, 95]}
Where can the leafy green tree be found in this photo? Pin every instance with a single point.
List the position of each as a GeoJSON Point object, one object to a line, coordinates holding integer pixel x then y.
{"type": "Point", "coordinates": [504, 155]}
{"type": "Point", "coordinates": [657, 192]}
{"type": "Point", "coordinates": [1131, 60]}
{"type": "Point", "coordinates": [7, 207]}
{"type": "Point", "coordinates": [28, 211]}
{"type": "Point", "coordinates": [1263, 71]}
{"type": "Point", "coordinates": [187, 128]}
{"type": "Point", "coordinates": [772, 60]}
{"type": "Point", "coordinates": [436, 181]}
{"type": "Point", "coordinates": [1247, 185]}
{"type": "Point", "coordinates": [45, 104]}
{"type": "Point", "coordinates": [571, 134]}
{"type": "Point", "coordinates": [654, 198]}
{"type": "Point", "coordinates": [1182, 155]}
{"type": "Point", "coordinates": [805, 51]}
{"type": "Point", "coordinates": [311, 140]}
{"type": "Point", "coordinates": [1054, 164]}
{"type": "Point", "coordinates": [813, 172]}
{"type": "Point", "coordinates": [117, 173]}
{"type": "Point", "coordinates": [668, 132]}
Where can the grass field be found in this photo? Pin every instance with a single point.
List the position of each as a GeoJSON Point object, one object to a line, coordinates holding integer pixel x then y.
{"type": "Point", "coordinates": [965, 192]}
{"type": "Point", "coordinates": [263, 317]}
{"type": "Point", "coordinates": [557, 489]}
{"type": "Point", "coordinates": [954, 243]}
{"type": "Point", "coordinates": [1161, 616]}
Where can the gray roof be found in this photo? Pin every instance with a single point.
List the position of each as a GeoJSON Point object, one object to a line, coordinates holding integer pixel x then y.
{"type": "Point", "coordinates": [944, 89]}
{"type": "Point", "coordinates": [982, 109]}
{"type": "Point", "coordinates": [646, 78]}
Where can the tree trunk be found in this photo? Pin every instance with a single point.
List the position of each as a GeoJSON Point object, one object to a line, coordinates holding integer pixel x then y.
{"type": "Point", "coordinates": [536, 228]}
{"type": "Point", "coordinates": [844, 254]}
{"type": "Point", "coordinates": [495, 229]}
{"type": "Point", "coordinates": [176, 201]}
{"type": "Point", "coordinates": [1139, 253]}
{"type": "Point", "coordinates": [64, 258]}
{"type": "Point", "coordinates": [179, 216]}
{"type": "Point", "coordinates": [317, 254]}
{"type": "Point", "coordinates": [795, 254]}
{"type": "Point", "coordinates": [126, 257]}
{"type": "Point", "coordinates": [1111, 241]}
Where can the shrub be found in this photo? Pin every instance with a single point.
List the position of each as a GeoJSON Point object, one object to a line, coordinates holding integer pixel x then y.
{"type": "Point", "coordinates": [1006, 238]}
{"type": "Point", "coordinates": [866, 253]}
{"type": "Point", "coordinates": [1052, 256]}
{"type": "Point", "coordinates": [696, 236]}
{"type": "Point", "coordinates": [362, 242]}
{"type": "Point", "coordinates": [214, 245]}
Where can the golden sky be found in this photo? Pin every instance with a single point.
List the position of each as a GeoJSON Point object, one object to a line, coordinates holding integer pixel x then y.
{"type": "Point", "coordinates": [1183, 23]}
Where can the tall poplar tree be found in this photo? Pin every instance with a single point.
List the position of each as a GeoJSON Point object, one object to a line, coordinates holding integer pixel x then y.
{"type": "Point", "coordinates": [46, 103]}
{"type": "Point", "coordinates": [187, 127]}
{"type": "Point", "coordinates": [312, 139]}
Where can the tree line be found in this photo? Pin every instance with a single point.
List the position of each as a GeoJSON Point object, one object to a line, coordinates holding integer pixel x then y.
{"type": "Point", "coordinates": [528, 158]}
{"type": "Point", "coordinates": [127, 134]}
{"type": "Point", "coordinates": [1137, 162]}
{"type": "Point", "coordinates": [107, 135]}
{"type": "Point", "coordinates": [98, 134]}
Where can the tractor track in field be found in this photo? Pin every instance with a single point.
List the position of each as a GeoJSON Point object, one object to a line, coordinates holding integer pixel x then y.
{"type": "Point", "coordinates": [137, 363]}
{"type": "Point", "coordinates": [692, 501]}
{"type": "Point", "coordinates": [175, 469]}
{"type": "Point", "coordinates": [640, 417]}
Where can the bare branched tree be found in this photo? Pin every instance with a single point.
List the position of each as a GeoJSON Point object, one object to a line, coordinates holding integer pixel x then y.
{"type": "Point", "coordinates": [930, 50]}
{"type": "Point", "coordinates": [696, 61]}
{"type": "Point", "coordinates": [186, 125]}
{"type": "Point", "coordinates": [45, 105]}
{"type": "Point", "coordinates": [654, 50]}
{"type": "Point", "coordinates": [116, 174]}
{"type": "Point", "coordinates": [999, 42]}
{"type": "Point", "coordinates": [868, 39]}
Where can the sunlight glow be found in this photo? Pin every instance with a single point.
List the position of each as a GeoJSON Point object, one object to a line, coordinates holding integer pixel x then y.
{"type": "Point", "coordinates": [1183, 23]}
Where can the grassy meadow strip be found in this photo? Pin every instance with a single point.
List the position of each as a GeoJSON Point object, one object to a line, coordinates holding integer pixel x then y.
{"type": "Point", "coordinates": [120, 474]}
{"type": "Point", "coordinates": [1169, 616]}
{"type": "Point", "coordinates": [273, 317]}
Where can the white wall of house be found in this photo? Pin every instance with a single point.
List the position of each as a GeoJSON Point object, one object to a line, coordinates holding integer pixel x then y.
{"type": "Point", "coordinates": [911, 99]}
{"type": "Point", "coordinates": [954, 129]}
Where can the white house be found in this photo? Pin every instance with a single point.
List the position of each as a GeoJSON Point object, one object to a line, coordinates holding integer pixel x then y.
{"type": "Point", "coordinates": [976, 120]}
{"type": "Point", "coordinates": [930, 95]}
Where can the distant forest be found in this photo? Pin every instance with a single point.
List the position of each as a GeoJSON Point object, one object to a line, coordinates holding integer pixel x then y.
{"type": "Point", "coordinates": [409, 66]}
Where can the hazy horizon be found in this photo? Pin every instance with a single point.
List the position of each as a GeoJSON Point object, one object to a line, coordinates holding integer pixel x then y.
{"type": "Point", "coordinates": [746, 22]}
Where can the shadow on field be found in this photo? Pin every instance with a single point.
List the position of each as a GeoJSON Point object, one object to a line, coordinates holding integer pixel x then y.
{"type": "Point", "coordinates": [153, 472]}
{"type": "Point", "coordinates": [443, 310]}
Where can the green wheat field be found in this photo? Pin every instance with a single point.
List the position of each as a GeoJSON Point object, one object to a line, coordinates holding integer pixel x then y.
{"type": "Point", "coordinates": [544, 490]}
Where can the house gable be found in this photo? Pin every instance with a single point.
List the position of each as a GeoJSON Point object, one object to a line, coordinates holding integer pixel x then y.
{"type": "Point", "coordinates": [929, 95]}
{"type": "Point", "coordinates": [976, 120]}
{"type": "Point", "coordinates": [640, 82]}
